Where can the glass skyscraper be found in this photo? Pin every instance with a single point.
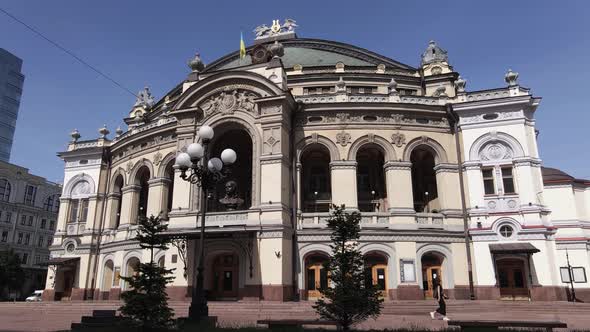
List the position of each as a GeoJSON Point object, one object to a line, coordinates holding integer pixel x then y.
{"type": "Point", "coordinates": [11, 89]}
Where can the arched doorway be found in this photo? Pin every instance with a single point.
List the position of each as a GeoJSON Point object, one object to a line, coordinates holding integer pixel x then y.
{"type": "Point", "coordinates": [239, 140]}
{"type": "Point", "coordinates": [107, 276]}
{"type": "Point", "coordinates": [424, 187]}
{"type": "Point", "coordinates": [370, 175]}
{"type": "Point", "coordinates": [131, 269]}
{"type": "Point", "coordinates": [316, 193]}
{"type": "Point", "coordinates": [512, 279]}
{"type": "Point", "coordinates": [316, 276]}
{"type": "Point", "coordinates": [376, 271]}
{"type": "Point", "coordinates": [224, 277]}
{"type": "Point", "coordinates": [432, 269]}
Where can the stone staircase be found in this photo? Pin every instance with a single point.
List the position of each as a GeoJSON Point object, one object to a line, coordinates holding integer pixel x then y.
{"type": "Point", "coordinates": [52, 316]}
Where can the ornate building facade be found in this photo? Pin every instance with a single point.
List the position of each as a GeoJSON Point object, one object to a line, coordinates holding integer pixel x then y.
{"type": "Point", "coordinates": [448, 181]}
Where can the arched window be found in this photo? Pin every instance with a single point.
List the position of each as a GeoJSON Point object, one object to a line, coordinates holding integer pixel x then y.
{"type": "Point", "coordinates": [143, 176]}
{"type": "Point", "coordinates": [370, 177]}
{"type": "Point", "coordinates": [424, 186]}
{"type": "Point", "coordinates": [4, 190]}
{"type": "Point", "coordinates": [239, 140]}
{"type": "Point", "coordinates": [79, 202]}
{"type": "Point", "coordinates": [497, 169]}
{"type": "Point", "coordinates": [316, 194]}
{"type": "Point", "coordinates": [118, 189]}
{"type": "Point", "coordinates": [170, 176]}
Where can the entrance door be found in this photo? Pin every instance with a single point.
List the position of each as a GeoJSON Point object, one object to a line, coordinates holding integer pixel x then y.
{"type": "Point", "coordinates": [68, 284]}
{"type": "Point", "coordinates": [512, 280]}
{"type": "Point", "coordinates": [225, 277]}
{"type": "Point", "coordinates": [428, 275]}
{"type": "Point", "coordinates": [317, 278]}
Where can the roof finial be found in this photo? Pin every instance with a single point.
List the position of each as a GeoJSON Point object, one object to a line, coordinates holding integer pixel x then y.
{"type": "Point", "coordinates": [511, 77]}
{"type": "Point", "coordinates": [75, 135]}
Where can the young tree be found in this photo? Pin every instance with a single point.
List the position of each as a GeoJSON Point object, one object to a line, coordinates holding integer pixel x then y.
{"type": "Point", "coordinates": [146, 303]}
{"type": "Point", "coordinates": [11, 272]}
{"type": "Point", "coordinates": [350, 298]}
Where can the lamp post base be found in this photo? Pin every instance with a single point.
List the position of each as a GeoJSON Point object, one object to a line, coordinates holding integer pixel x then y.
{"type": "Point", "coordinates": [198, 311]}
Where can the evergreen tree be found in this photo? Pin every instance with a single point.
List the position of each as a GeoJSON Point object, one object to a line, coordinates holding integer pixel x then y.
{"type": "Point", "coordinates": [146, 302]}
{"type": "Point", "coordinates": [351, 297]}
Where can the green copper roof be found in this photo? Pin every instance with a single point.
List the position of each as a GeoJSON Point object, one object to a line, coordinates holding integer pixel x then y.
{"type": "Point", "coordinates": [313, 53]}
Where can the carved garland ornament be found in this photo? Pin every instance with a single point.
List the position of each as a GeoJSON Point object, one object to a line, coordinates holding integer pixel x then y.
{"type": "Point", "coordinates": [228, 102]}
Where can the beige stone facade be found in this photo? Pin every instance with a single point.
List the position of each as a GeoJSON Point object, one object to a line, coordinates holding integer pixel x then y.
{"type": "Point", "coordinates": [316, 123]}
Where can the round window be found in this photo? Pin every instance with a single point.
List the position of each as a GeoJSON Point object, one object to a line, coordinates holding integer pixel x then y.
{"type": "Point", "coordinates": [70, 248]}
{"type": "Point", "coordinates": [506, 231]}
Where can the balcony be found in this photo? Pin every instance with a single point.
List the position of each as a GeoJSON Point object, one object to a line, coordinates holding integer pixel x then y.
{"type": "Point", "coordinates": [429, 220]}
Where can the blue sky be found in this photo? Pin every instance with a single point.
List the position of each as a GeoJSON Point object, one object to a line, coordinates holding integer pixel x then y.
{"type": "Point", "coordinates": [142, 43]}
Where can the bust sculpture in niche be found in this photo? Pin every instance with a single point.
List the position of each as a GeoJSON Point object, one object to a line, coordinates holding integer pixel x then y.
{"type": "Point", "coordinates": [231, 201]}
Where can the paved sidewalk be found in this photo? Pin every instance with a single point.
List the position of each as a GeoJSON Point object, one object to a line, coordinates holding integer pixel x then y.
{"type": "Point", "coordinates": [55, 316]}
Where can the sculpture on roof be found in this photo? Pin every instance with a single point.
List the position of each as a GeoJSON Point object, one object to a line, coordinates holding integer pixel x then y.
{"type": "Point", "coordinates": [263, 31]}
{"type": "Point", "coordinates": [434, 53]}
{"type": "Point", "coordinates": [144, 98]}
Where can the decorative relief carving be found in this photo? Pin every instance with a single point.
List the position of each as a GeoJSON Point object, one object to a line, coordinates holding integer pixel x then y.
{"type": "Point", "coordinates": [272, 138]}
{"type": "Point", "coordinates": [380, 117]}
{"type": "Point", "coordinates": [398, 139]}
{"type": "Point", "coordinates": [495, 151]}
{"type": "Point", "coordinates": [343, 138]}
{"type": "Point", "coordinates": [228, 102]}
{"type": "Point", "coordinates": [129, 167]}
{"type": "Point", "coordinates": [81, 188]}
{"type": "Point", "coordinates": [157, 158]}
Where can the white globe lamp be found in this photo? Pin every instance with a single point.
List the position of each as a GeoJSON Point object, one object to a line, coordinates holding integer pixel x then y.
{"type": "Point", "coordinates": [215, 164]}
{"type": "Point", "coordinates": [195, 151]}
{"type": "Point", "coordinates": [183, 161]}
{"type": "Point", "coordinates": [206, 133]}
{"type": "Point", "coordinates": [228, 156]}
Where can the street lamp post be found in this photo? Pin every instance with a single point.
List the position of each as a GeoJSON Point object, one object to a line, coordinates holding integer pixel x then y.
{"type": "Point", "coordinates": [205, 173]}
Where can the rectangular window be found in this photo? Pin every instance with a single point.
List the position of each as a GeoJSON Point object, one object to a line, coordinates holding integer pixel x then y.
{"type": "Point", "coordinates": [4, 236]}
{"type": "Point", "coordinates": [43, 223]}
{"type": "Point", "coordinates": [20, 238]}
{"type": "Point", "coordinates": [23, 219]}
{"type": "Point", "coordinates": [25, 258]}
{"type": "Point", "coordinates": [488, 181]}
{"type": "Point", "coordinates": [507, 180]}
{"type": "Point", "coordinates": [30, 222]}
{"type": "Point", "coordinates": [84, 213]}
{"type": "Point", "coordinates": [41, 241]}
{"type": "Point", "coordinates": [8, 216]}
{"type": "Point", "coordinates": [52, 225]}
{"type": "Point", "coordinates": [37, 259]}
{"type": "Point", "coordinates": [74, 210]}
{"type": "Point", "coordinates": [27, 238]}
{"type": "Point", "coordinates": [49, 241]}
{"type": "Point", "coordinates": [30, 193]}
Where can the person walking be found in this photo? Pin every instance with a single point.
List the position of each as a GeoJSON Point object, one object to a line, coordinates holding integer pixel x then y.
{"type": "Point", "coordinates": [440, 296]}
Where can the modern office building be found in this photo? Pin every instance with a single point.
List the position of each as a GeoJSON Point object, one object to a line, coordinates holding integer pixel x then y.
{"type": "Point", "coordinates": [11, 89]}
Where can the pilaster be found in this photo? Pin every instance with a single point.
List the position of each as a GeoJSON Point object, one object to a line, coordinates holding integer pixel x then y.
{"type": "Point", "coordinates": [398, 174]}
{"type": "Point", "coordinates": [344, 187]}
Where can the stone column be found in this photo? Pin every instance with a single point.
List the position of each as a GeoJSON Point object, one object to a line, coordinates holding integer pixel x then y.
{"type": "Point", "coordinates": [398, 175]}
{"type": "Point", "coordinates": [158, 196]}
{"type": "Point", "coordinates": [129, 204]}
{"type": "Point", "coordinates": [298, 182]}
{"type": "Point", "coordinates": [447, 183]}
{"type": "Point", "coordinates": [343, 177]}
{"type": "Point", "coordinates": [113, 201]}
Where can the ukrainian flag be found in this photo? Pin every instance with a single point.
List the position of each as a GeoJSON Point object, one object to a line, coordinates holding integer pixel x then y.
{"type": "Point", "coordinates": [242, 46]}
